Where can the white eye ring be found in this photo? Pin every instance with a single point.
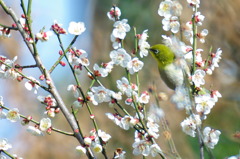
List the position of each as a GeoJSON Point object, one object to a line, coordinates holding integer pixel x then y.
{"type": "Point", "coordinates": [155, 51]}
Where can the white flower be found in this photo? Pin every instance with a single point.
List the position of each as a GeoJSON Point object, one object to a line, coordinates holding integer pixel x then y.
{"type": "Point", "coordinates": [32, 85]}
{"type": "Point", "coordinates": [199, 18]}
{"type": "Point", "coordinates": [120, 57]}
{"type": "Point", "coordinates": [155, 150]}
{"type": "Point", "coordinates": [202, 35]}
{"type": "Point", "coordinates": [141, 147]}
{"type": "Point", "coordinates": [215, 59]}
{"type": "Point", "coordinates": [120, 29]}
{"type": "Point", "coordinates": [152, 128]}
{"type": "Point", "coordinates": [4, 145]}
{"type": "Point", "coordinates": [13, 115]}
{"type": "Point", "coordinates": [87, 140]}
{"type": "Point", "coordinates": [100, 71]}
{"type": "Point", "coordinates": [143, 45]}
{"type": "Point", "coordinates": [97, 148]}
{"type": "Point", "coordinates": [72, 88]}
{"type": "Point", "coordinates": [165, 8]}
{"type": "Point", "coordinates": [114, 118]}
{"type": "Point", "coordinates": [45, 123]}
{"type": "Point", "coordinates": [104, 136]}
{"type": "Point", "coordinates": [189, 125]}
{"type": "Point", "coordinates": [81, 150]}
{"type": "Point", "coordinates": [119, 154]}
{"type": "Point", "coordinates": [34, 131]}
{"type": "Point", "coordinates": [144, 98]}
{"type": "Point", "coordinates": [210, 137]}
{"type": "Point", "coordinates": [101, 94]}
{"type": "Point", "coordinates": [171, 24]}
{"type": "Point", "coordinates": [76, 28]}
{"type": "Point", "coordinates": [134, 65]}
{"type": "Point", "coordinates": [116, 42]}
{"type": "Point", "coordinates": [204, 103]}
{"type": "Point", "coordinates": [114, 13]}
{"type": "Point", "coordinates": [198, 78]}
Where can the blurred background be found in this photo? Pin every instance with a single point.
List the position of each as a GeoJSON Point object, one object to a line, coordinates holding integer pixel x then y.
{"type": "Point", "coordinates": [222, 21]}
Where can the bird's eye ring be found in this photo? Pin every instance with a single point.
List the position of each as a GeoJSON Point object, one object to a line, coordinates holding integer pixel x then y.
{"type": "Point", "coordinates": [155, 51]}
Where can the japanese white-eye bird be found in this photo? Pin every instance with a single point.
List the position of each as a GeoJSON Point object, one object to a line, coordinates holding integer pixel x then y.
{"type": "Point", "coordinates": [170, 72]}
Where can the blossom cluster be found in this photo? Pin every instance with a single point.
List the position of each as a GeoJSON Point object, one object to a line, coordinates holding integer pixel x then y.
{"type": "Point", "coordinates": [204, 99]}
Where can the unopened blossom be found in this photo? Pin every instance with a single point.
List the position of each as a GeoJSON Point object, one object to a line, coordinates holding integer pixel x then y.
{"type": "Point", "coordinates": [34, 131]}
{"type": "Point", "coordinates": [143, 45]}
{"type": "Point", "coordinates": [114, 13]}
{"type": "Point", "coordinates": [56, 27]}
{"type": "Point", "coordinates": [165, 8]}
{"type": "Point", "coordinates": [202, 35]}
{"type": "Point", "coordinates": [45, 123]}
{"type": "Point", "coordinates": [120, 29]}
{"type": "Point", "coordinates": [4, 145]}
{"type": "Point", "coordinates": [189, 125]}
{"type": "Point", "coordinates": [44, 36]}
{"type": "Point", "coordinates": [51, 112]}
{"type": "Point", "coordinates": [210, 137]}
{"type": "Point", "coordinates": [76, 28]}
{"type": "Point", "coordinates": [47, 100]}
{"type": "Point", "coordinates": [134, 65]}
{"type": "Point", "coordinates": [104, 136]}
{"type": "Point", "coordinates": [198, 78]}
{"type": "Point", "coordinates": [120, 57]}
{"type": "Point", "coordinates": [141, 147]}
{"type": "Point", "coordinates": [198, 17]}
{"type": "Point", "coordinates": [13, 115]}
{"type": "Point", "coordinates": [155, 150]}
{"type": "Point", "coordinates": [81, 150]}
{"type": "Point", "coordinates": [171, 23]}
{"type": "Point", "coordinates": [32, 85]}
{"type": "Point", "coordinates": [4, 33]}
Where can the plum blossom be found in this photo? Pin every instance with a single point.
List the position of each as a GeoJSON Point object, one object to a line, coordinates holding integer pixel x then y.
{"type": "Point", "coordinates": [198, 78]}
{"type": "Point", "coordinates": [134, 65]}
{"type": "Point", "coordinates": [120, 29]}
{"type": "Point", "coordinates": [104, 136]}
{"type": "Point", "coordinates": [81, 150]}
{"type": "Point", "coordinates": [32, 85]}
{"type": "Point", "coordinates": [171, 23]}
{"type": "Point", "coordinates": [76, 28]}
{"type": "Point", "coordinates": [4, 145]}
{"type": "Point", "coordinates": [202, 35]}
{"type": "Point", "coordinates": [143, 45]}
{"type": "Point", "coordinates": [101, 94]}
{"type": "Point", "coordinates": [141, 147]}
{"type": "Point", "coordinates": [34, 131]}
{"type": "Point", "coordinates": [210, 137]}
{"type": "Point", "coordinates": [204, 103]}
{"type": "Point", "coordinates": [7, 71]}
{"type": "Point", "coordinates": [45, 123]}
{"type": "Point", "coordinates": [189, 125]}
{"type": "Point", "coordinates": [13, 115]}
{"type": "Point", "coordinates": [165, 8]}
{"type": "Point", "coordinates": [120, 57]}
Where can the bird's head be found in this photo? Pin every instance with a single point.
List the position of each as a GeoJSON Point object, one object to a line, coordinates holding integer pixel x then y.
{"type": "Point", "coordinates": [163, 54]}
